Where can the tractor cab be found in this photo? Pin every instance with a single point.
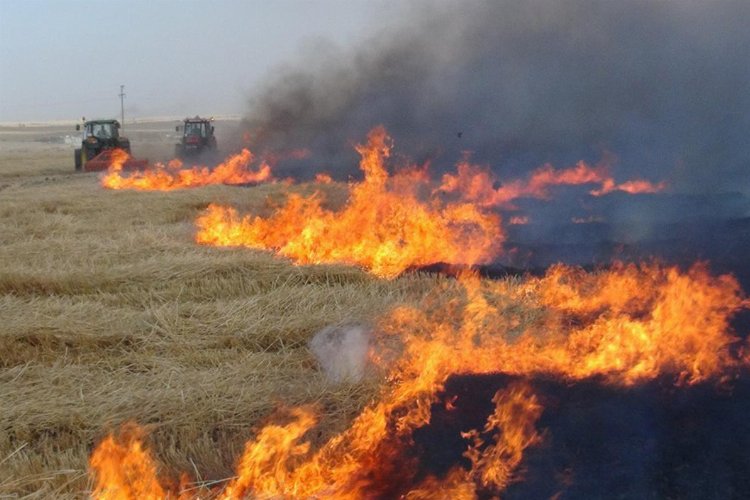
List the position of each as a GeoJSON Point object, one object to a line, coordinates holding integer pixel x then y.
{"type": "Point", "coordinates": [101, 129]}
{"type": "Point", "coordinates": [197, 137]}
{"type": "Point", "coordinates": [197, 129]}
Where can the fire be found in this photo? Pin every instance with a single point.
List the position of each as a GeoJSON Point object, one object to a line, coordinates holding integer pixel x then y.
{"type": "Point", "coordinates": [512, 423]}
{"type": "Point", "coordinates": [641, 321]}
{"type": "Point", "coordinates": [265, 466]}
{"type": "Point", "coordinates": [621, 326]}
{"type": "Point", "coordinates": [166, 177]}
{"type": "Point", "coordinates": [476, 184]}
{"type": "Point", "coordinates": [637, 186]}
{"type": "Point", "coordinates": [118, 158]}
{"type": "Point", "coordinates": [124, 468]}
{"type": "Point", "coordinates": [384, 227]}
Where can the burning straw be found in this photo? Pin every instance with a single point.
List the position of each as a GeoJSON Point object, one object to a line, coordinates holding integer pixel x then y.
{"type": "Point", "coordinates": [385, 225]}
{"type": "Point", "coordinates": [622, 327]}
{"type": "Point", "coordinates": [172, 175]}
{"type": "Point", "coordinates": [393, 222]}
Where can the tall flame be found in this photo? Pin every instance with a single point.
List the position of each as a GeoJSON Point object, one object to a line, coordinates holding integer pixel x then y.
{"type": "Point", "coordinates": [124, 468]}
{"type": "Point", "coordinates": [118, 159]}
{"type": "Point", "coordinates": [385, 226]}
{"type": "Point", "coordinates": [265, 467]}
{"type": "Point", "coordinates": [621, 326]}
{"type": "Point", "coordinates": [166, 177]}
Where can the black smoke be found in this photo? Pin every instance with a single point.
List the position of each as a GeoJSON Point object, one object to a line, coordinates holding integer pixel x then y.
{"type": "Point", "coordinates": [664, 86]}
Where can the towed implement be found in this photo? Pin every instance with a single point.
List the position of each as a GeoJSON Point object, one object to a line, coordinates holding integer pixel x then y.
{"type": "Point", "coordinates": [100, 139]}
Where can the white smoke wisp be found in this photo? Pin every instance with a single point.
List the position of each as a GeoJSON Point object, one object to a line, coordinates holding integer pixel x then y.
{"type": "Point", "coordinates": [342, 351]}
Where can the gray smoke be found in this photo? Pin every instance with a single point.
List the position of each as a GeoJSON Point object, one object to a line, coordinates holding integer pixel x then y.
{"type": "Point", "coordinates": [662, 85]}
{"type": "Point", "coordinates": [341, 351]}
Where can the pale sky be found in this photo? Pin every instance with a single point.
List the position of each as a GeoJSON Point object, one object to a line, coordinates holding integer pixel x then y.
{"type": "Point", "coordinates": [63, 59]}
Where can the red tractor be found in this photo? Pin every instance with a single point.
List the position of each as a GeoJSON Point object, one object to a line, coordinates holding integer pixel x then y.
{"type": "Point", "coordinates": [197, 137]}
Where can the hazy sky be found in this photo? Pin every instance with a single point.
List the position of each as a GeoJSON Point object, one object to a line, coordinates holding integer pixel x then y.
{"type": "Point", "coordinates": [61, 59]}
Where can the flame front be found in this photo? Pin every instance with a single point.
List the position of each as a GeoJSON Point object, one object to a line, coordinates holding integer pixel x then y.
{"type": "Point", "coordinates": [385, 226]}
{"type": "Point", "coordinates": [170, 176]}
{"type": "Point", "coordinates": [621, 326]}
{"type": "Point", "coordinates": [476, 184]}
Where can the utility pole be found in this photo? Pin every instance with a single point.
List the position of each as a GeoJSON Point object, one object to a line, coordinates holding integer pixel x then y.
{"type": "Point", "coordinates": [122, 105]}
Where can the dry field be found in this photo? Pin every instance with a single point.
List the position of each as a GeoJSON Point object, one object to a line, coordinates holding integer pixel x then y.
{"type": "Point", "coordinates": [110, 313]}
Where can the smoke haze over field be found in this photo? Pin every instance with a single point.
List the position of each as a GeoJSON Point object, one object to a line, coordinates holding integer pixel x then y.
{"type": "Point", "coordinates": [660, 87]}
{"type": "Point", "coordinates": [664, 87]}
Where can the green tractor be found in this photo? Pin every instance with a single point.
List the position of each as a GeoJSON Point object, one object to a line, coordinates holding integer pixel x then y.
{"type": "Point", "coordinates": [98, 136]}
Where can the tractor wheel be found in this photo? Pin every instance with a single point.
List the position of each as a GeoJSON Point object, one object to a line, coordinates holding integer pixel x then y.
{"type": "Point", "coordinates": [77, 159]}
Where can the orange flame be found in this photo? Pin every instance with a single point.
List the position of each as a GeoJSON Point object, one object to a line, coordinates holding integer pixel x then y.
{"type": "Point", "coordinates": [118, 158]}
{"type": "Point", "coordinates": [384, 226]}
{"type": "Point", "coordinates": [264, 468]}
{"type": "Point", "coordinates": [638, 186]}
{"type": "Point", "coordinates": [161, 177]}
{"type": "Point", "coordinates": [474, 183]}
{"type": "Point", "coordinates": [124, 470]}
{"type": "Point", "coordinates": [625, 325]}
{"type": "Point", "coordinates": [516, 411]}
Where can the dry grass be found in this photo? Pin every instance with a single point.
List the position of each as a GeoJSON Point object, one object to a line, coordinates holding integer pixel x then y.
{"type": "Point", "coordinates": [110, 313]}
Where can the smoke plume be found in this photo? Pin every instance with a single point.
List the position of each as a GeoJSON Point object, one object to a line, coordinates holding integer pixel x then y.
{"type": "Point", "coordinates": [664, 86]}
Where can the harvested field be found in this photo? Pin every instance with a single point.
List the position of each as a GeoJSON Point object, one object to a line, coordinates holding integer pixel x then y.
{"type": "Point", "coordinates": [116, 326]}
{"type": "Point", "coordinates": [110, 313]}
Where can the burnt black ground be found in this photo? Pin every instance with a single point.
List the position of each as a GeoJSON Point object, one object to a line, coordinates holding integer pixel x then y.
{"type": "Point", "coordinates": [673, 229]}
{"type": "Point", "coordinates": [655, 440]}
{"type": "Point", "coordinates": [652, 441]}
{"type": "Point", "coordinates": [677, 229]}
